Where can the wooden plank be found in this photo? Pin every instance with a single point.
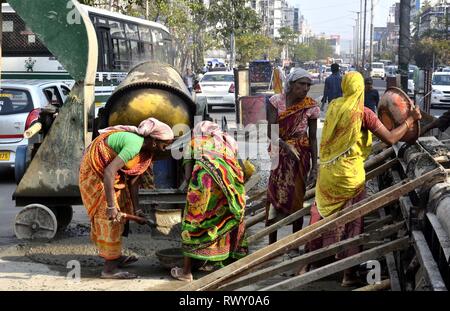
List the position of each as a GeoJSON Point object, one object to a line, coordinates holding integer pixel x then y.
{"type": "Point", "coordinates": [254, 220]}
{"type": "Point", "coordinates": [427, 262]}
{"type": "Point", "coordinates": [252, 182]}
{"type": "Point", "coordinates": [311, 232]}
{"type": "Point", "coordinates": [381, 169]}
{"type": "Point", "coordinates": [313, 256]}
{"type": "Point", "coordinates": [257, 195]}
{"type": "Point", "coordinates": [441, 235]}
{"type": "Point", "coordinates": [390, 262]}
{"type": "Point", "coordinates": [340, 265]}
{"type": "Point", "coordinates": [283, 222]}
{"type": "Point", "coordinates": [385, 284]}
{"type": "Point", "coordinates": [255, 208]}
{"type": "Point", "coordinates": [389, 152]}
{"type": "Point", "coordinates": [393, 272]}
{"type": "Point", "coordinates": [379, 223]}
{"type": "Point", "coordinates": [405, 207]}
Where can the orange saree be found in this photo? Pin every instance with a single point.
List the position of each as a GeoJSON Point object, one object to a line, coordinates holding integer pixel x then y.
{"type": "Point", "coordinates": [106, 234]}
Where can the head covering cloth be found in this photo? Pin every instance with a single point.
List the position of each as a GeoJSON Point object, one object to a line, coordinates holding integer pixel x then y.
{"type": "Point", "coordinates": [296, 74]}
{"type": "Point", "coordinates": [150, 127]}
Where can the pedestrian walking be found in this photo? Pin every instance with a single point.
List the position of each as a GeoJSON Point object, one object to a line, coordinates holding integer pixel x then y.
{"type": "Point", "coordinates": [332, 89]}
{"type": "Point", "coordinates": [189, 79]}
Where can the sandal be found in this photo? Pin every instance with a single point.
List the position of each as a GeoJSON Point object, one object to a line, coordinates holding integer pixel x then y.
{"type": "Point", "coordinates": [127, 260]}
{"type": "Point", "coordinates": [119, 275]}
{"type": "Point", "coordinates": [177, 273]}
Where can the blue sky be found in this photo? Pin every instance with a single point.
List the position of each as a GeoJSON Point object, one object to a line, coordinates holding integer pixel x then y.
{"type": "Point", "coordinates": [335, 16]}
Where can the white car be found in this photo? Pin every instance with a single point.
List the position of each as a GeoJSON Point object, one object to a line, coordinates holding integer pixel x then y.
{"type": "Point", "coordinates": [327, 73]}
{"type": "Point", "coordinates": [377, 71]}
{"type": "Point", "coordinates": [441, 88]}
{"type": "Point", "coordinates": [411, 84]}
{"type": "Point", "coordinates": [20, 103]}
{"type": "Point", "coordinates": [216, 88]}
{"type": "Point", "coordinates": [390, 71]}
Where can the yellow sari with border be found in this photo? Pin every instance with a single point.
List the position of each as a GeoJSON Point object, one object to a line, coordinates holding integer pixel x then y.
{"type": "Point", "coordinates": [343, 148]}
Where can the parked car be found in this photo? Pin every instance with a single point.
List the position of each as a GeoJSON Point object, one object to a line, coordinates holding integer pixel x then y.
{"type": "Point", "coordinates": [327, 73]}
{"type": "Point", "coordinates": [20, 104]}
{"type": "Point", "coordinates": [377, 70]}
{"type": "Point", "coordinates": [411, 86]}
{"type": "Point", "coordinates": [344, 68]}
{"type": "Point", "coordinates": [218, 89]}
{"type": "Point", "coordinates": [440, 89]}
{"type": "Point", "coordinates": [390, 71]}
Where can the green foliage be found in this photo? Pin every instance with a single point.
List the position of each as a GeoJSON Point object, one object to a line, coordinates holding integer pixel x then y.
{"type": "Point", "coordinates": [252, 46]}
{"type": "Point", "coordinates": [431, 46]}
{"type": "Point", "coordinates": [322, 48]}
{"type": "Point", "coordinates": [228, 16]}
{"type": "Point", "coordinates": [428, 49]}
{"type": "Point", "coordinates": [304, 53]}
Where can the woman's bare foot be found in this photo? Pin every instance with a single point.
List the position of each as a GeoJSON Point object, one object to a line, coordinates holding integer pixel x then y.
{"type": "Point", "coordinates": [178, 273]}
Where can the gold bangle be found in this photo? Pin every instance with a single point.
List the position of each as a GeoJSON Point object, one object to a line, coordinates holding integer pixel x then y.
{"type": "Point", "coordinates": [407, 124]}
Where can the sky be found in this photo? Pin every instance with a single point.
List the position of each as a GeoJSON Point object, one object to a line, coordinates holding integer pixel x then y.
{"type": "Point", "coordinates": [336, 16]}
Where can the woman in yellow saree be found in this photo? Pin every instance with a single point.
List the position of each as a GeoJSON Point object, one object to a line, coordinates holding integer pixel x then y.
{"type": "Point", "coordinates": [345, 145]}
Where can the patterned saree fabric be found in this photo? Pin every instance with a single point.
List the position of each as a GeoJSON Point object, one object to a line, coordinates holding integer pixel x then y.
{"type": "Point", "coordinates": [105, 233]}
{"type": "Point", "coordinates": [287, 181]}
{"type": "Point", "coordinates": [343, 148]}
{"type": "Point", "coordinates": [212, 226]}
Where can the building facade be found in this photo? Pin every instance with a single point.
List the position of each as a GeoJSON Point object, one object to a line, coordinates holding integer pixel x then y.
{"type": "Point", "coordinates": [435, 18]}
{"type": "Point", "coordinates": [275, 14]}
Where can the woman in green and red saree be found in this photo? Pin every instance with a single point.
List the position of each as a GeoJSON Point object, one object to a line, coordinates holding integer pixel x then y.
{"type": "Point", "coordinates": [212, 226]}
{"type": "Point", "coordinates": [294, 158]}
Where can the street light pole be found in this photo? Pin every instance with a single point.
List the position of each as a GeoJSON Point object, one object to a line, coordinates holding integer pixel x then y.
{"type": "Point", "coordinates": [233, 43]}
{"type": "Point", "coordinates": [404, 42]}
{"type": "Point", "coordinates": [360, 28]}
{"type": "Point", "coordinates": [358, 40]}
{"type": "Point", "coordinates": [364, 36]}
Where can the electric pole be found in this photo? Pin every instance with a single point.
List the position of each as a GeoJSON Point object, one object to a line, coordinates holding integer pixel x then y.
{"type": "Point", "coordinates": [360, 28]}
{"type": "Point", "coordinates": [364, 36]}
{"type": "Point", "coordinates": [404, 42]}
{"type": "Point", "coordinates": [358, 39]}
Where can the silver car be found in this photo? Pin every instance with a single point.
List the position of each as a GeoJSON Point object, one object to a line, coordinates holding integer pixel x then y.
{"type": "Point", "coordinates": [216, 89]}
{"type": "Point", "coordinates": [20, 104]}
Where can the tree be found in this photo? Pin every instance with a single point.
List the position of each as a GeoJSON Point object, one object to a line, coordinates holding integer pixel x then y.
{"type": "Point", "coordinates": [322, 48]}
{"type": "Point", "coordinates": [231, 16]}
{"type": "Point", "coordinates": [252, 46]}
{"type": "Point", "coordinates": [304, 53]}
{"type": "Point", "coordinates": [429, 51]}
{"type": "Point", "coordinates": [287, 39]}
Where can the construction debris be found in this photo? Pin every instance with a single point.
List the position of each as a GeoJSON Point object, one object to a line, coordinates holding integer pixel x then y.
{"type": "Point", "coordinates": [406, 173]}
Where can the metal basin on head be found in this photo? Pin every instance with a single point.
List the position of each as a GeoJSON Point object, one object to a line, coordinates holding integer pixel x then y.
{"type": "Point", "coordinates": [150, 89]}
